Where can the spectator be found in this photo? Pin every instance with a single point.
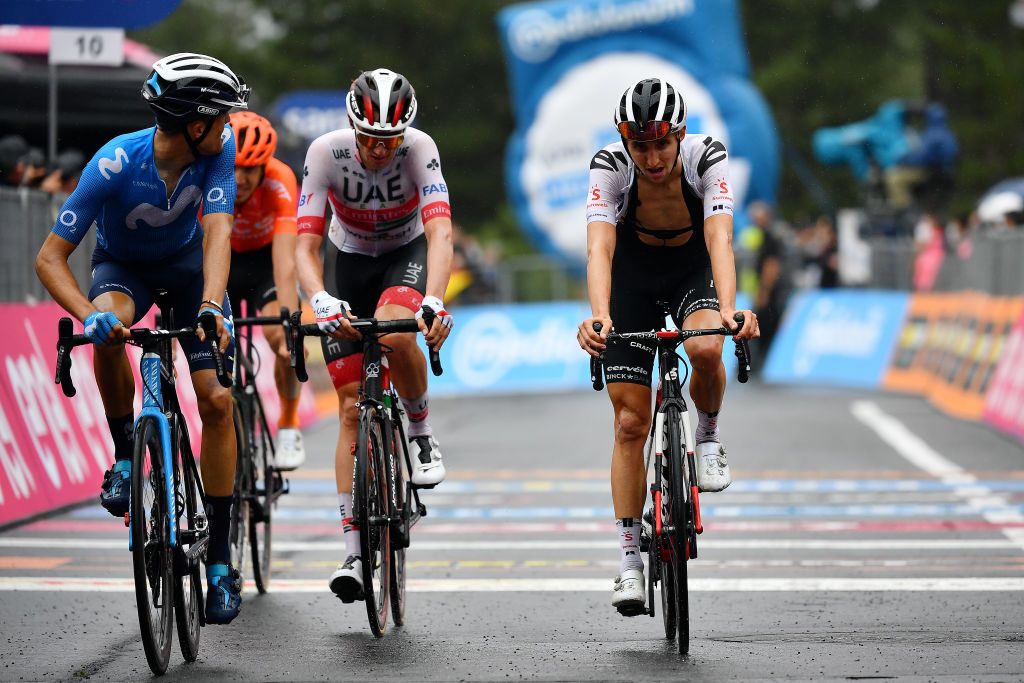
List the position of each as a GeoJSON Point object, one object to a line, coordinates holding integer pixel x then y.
{"type": "Point", "coordinates": [929, 252]}
{"type": "Point", "coordinates": [33, 164]}
{"type": "Point", "coordinates": [12, 149]}
{"type": "Point", "coordinates": [64, 178]}
{"type": "Point", "coordinates": [772, 280]}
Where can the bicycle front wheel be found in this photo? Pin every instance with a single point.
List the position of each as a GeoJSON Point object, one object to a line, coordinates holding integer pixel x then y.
{"type": "Point", "coordinates": [678, 522]}
{"type": "Point", "coordinates": [188, 586]}
{"type": "Point", "coordinates": [402, 497]}
{"type": "Point", "coordinates": [239, 529]}
{"type": "Point", "coordinates": [371, 507]}
{"type": "Point", "coordinates": [152, 556]}
{"type": "Point", "coordinates": [262, 495]}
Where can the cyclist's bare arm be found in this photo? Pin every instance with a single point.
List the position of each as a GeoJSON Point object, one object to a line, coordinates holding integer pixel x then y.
{"type": "Point", "coordinates": [307, 262]}
{"type": "Point", "coordinates": [55, 274]}
{"type": "Point", "coordinates": [438, 232]}
{"type": "Point", "coordinates": [600, 250]}
{"type": "Point", "coordinates": [283, 255]}
{"type": "Point", "coordinates": [718, 235]}
{"type": "Point", "coordinates": [217, 229]}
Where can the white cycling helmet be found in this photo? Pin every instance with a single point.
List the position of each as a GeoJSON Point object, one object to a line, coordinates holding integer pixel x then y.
{"type": "Point", "coordinates": [187, 86]}
{"type": "Point", "coordinates": [650, 109]}
{"type": "Point", "coordinates": [381, 103]}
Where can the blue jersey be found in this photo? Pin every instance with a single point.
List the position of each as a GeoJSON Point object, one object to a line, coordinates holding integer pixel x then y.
{"type": "Point", "coordinates": [122, 192]}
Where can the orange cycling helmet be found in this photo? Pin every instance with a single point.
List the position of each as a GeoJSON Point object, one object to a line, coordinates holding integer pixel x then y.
{"type": "Point", "coordinates": [255, 139]}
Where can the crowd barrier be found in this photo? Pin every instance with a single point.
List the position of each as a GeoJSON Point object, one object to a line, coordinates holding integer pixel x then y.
{"type": "Point", "coordinates": [54, 449]}
{"type": "Point", "coordinates": [963, 351]}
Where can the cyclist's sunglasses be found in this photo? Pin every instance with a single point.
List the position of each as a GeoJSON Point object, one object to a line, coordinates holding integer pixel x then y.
{"type": "Point", "coordinates": [654, 130]}
{"type": "Point", "coordinates": [371, 142]}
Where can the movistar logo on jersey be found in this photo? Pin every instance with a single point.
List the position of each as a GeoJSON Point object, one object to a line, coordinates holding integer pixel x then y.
{"type": "Point", "coordinates": [115, 165]}
{"type": "Point", "coordinates": [156, 217]}
{"type": "Point", "coordinates": [536, 34]}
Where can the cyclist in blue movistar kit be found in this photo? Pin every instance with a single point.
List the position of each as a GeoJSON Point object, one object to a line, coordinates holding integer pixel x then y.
{"type": "Point", "coordinates": [144, 191]}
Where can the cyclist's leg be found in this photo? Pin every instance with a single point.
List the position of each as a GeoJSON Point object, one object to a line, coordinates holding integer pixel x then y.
{"type": "Point", "coordinates": [696, 306]}
{"type": "Point", "coordinates": [117, 289]}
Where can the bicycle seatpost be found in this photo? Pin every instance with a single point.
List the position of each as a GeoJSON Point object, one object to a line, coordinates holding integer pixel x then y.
{"type": "Point", "coordinates": [596, 367]}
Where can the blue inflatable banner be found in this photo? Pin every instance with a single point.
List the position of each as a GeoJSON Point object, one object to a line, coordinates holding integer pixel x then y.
{"type": "Point", "coordinates": [837, 337]}
{"type": "Point", "coordinates": [86, 13]}
{"type": "Point", "coordinates": [570, 60]}
{"type": "Point", "coordinates": [311, 113]}
{"type": "Point", "coordinates": [521, 348]}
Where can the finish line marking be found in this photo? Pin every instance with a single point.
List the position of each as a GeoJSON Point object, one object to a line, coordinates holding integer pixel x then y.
{"type": "Point", "coordinates": [417, 545]}
{"type": "Point", "coordinates": [916, 451]}
{"type": "Point", "coordinates": [570, 585]}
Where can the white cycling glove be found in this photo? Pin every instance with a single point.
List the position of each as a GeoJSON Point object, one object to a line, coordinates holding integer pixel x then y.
{"type": "Point", "coordinates": [329, 311]}
{"type": "Point", "coordinates": [437, 306]}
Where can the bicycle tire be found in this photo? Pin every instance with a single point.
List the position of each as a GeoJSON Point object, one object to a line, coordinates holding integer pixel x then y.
{"type": "Point", "coordinates": [664, 573]}
{"type": "Point", "coordinates": [261, 490]}
{"type": "Point", "coordinates": [238, 531]}
{"type": "Point", "coordinates": [371, 503]}
{"type": "Point", "coordinates": [188, 586]}
{"type": "Point", "coordinates": [152, 559]}
{"type": "Point", "coordinates": [403, 499]}
{"type": "Point", "coordinates": [679, 523]}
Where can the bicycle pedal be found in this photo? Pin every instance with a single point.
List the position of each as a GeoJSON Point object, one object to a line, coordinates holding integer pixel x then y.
{"type": "Point", "coordinates": [632, 609]}
{"type": "Point", "coordinates": [423, 487]}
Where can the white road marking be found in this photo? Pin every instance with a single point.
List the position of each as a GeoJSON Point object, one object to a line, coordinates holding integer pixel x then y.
{"type": "Point", "coordinates": [915, 450]}
{"type": "Point", "coordinates": [570, 585]}
{"type": "Point", "coordinates": [705, 544]}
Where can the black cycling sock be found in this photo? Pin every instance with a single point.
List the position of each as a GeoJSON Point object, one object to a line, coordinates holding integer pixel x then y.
{"type": "Point", "coordinates": [121, 429]}
{"type": "Point", "coordinates": [218, 512]}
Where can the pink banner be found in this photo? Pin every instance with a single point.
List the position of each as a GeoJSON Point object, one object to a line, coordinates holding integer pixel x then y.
{"type": "Point", "coordinates": [54, 449]}
{"type": "Point", "coordinates": [1004, 402]}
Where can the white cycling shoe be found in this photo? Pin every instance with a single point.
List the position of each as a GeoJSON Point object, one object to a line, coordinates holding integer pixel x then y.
{"type": "Point", "coordinates": [630, 593]}
{"type": "Point", "coordinates": [712, 467]}
{"type": "Point", "coordinates": [347, 580]}
{"type": "Point", "coordinates": [427, 466]}
{"type": "Point", "coordinates": [290, 453]}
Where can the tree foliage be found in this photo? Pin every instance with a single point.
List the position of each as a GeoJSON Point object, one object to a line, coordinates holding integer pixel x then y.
{"type": "Point", "coordinates": [818, 63]}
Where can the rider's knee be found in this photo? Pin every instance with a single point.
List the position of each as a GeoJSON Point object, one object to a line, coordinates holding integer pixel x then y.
{"type": "Point", "coordinates": [705, 354]}
{"type": "Point", "coordinates": [402, 344]}
{"type": "Point", "coordinates": [215, 406]}
{"type": "Point", "coordinates": [275, 338]}
{"type": "Point", "coordinates": [632, 423]}
{"type": "Point", "coordinates": [347, 407]}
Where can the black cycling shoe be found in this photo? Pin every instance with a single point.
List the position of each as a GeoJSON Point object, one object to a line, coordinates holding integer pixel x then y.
{"type": "Point", "coordinates": [224, 593]}
{"type": "Point", "coordinates": [116, 490]}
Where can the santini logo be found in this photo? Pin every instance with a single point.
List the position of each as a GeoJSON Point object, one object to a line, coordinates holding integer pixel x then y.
{"type": "Point", "coordinates": [535, 34]}
{"type": "Point", "coordinates": [108, 166]}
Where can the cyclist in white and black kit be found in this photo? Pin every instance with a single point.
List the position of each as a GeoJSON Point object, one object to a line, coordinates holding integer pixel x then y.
{"type": "Point", "coordinates": [392, 227]}
{"type": "Point", "coordinates": [659, 228]}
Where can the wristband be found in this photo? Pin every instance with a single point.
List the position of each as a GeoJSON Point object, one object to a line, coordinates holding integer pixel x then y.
{"type": "Point", "coordinates": [213, 303]}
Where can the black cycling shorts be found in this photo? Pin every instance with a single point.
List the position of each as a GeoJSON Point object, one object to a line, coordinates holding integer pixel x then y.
{"type": "Point", "coordinates": [252, 278]}
{"type": "Point", "coordinates": [642, 276]}
{"type": "Point", "coordinates": [369, 282]}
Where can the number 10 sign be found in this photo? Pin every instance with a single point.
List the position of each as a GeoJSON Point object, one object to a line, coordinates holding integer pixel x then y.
{"type": "Point", "coordinates": [95, 46]}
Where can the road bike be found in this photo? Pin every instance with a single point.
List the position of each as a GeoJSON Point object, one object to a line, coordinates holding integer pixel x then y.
{"type": "Point", "coordinates": [675, 499]}
{"type": "Point", "coordinates": [386, 504]}
{"type": "Point", "coordinates": [258, 484]}
{"type": "Point", "coordinates": [168, 529]}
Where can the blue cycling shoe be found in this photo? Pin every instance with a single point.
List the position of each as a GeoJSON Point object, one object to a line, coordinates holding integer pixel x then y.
{"type": "Point", "coordinates": [116, 489]}
{"type": "Point", "coordinates": [223, 593]}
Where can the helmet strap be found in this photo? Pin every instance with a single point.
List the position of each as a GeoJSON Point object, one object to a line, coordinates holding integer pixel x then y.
{"type": "Point", "coordinates": [193, 144]}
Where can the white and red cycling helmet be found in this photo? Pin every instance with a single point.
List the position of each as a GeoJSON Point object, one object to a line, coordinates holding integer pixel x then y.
{"type": "Point", "coordinates": [381, 103]}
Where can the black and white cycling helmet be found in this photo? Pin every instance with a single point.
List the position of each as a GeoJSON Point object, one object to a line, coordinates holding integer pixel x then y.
{"type": "Point", "coordinates": [189, 86]}
{"type": "Point", "coordinates": [381, 103]}
{"type": "Point", "coordinates": [649, 110]}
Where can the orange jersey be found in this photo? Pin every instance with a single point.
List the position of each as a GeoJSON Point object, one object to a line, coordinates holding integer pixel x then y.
{"type": "Point", "coordinates": [269, 211]}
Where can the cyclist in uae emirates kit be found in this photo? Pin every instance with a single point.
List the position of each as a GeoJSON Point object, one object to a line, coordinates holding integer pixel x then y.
{"type": "Point", "coordinates": [144, 190]}
{"type": "Point", "coordinates": [659, 228]}
{"type": "Point", "coordinates": [263, 259]}
{"type": "Point", "coordinates": [393, 230]}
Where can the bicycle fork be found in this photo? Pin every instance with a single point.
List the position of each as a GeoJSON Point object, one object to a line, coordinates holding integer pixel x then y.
{"type": "Point", "coordinates": [152, 406]}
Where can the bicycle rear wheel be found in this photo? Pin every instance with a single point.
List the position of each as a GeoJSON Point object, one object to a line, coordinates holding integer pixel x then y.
{"type": "Point", "coordinates": [371, 507]}
{"type": "Point", "coordinates": [239, 529]}
{"type": "Point", "coordinates": [188, 586]}
{"type": "Point", "coordinates": [403, 500]}
{"type": "Point", "coordinates": [151, 555]}
{"type": "Point", "coordinates": [678, 521]}
{"type": "Point", "coordinates": [261, 503]}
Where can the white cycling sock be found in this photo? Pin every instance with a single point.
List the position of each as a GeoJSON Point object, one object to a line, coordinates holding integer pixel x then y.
{"type": "Point", "coordinates": [629, 543]}
{"type": "Point", "coordinates": [417, 410]}
{"type": "Point", "coordinates": [707, 426]}
{"type": "Point", "coordinates": [349, 533]}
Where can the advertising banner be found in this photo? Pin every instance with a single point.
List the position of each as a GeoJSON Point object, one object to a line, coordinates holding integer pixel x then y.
{"type": "Point", "coordinates": [94, 13]}
{"type": "Point", "coordinates": [949, 347]}
{"type": "Point", "coordinates": [54, 449]}
{"type": "Point", "coordinates": [837, 337]}
{"type": "Point", "coordinates": [569, 61]}
{"type": "Point", "coordinates": [1004, 404]}
{"type": "Point", "coordinates": [522, 348]}
{"type": "Point", "coordinates": [311, 113]}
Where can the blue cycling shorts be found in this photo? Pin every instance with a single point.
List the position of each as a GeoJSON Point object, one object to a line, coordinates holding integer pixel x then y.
{"type": "Point", "coordinates": [181, 275]}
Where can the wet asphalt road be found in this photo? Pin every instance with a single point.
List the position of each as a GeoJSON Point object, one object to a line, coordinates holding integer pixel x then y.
{"type": "Point", "coordinates": [865, 537]}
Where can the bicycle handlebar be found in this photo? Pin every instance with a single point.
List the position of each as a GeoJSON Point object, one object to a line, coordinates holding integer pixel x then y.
{"type": "Point", "coordinates": [674, 338]}
{"type": "Point", "coordinates": [283, 319]}
{"type": "Point", "coordinates": [368, 326]}
{"type": "Point", "coordinates": [67, 340]}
